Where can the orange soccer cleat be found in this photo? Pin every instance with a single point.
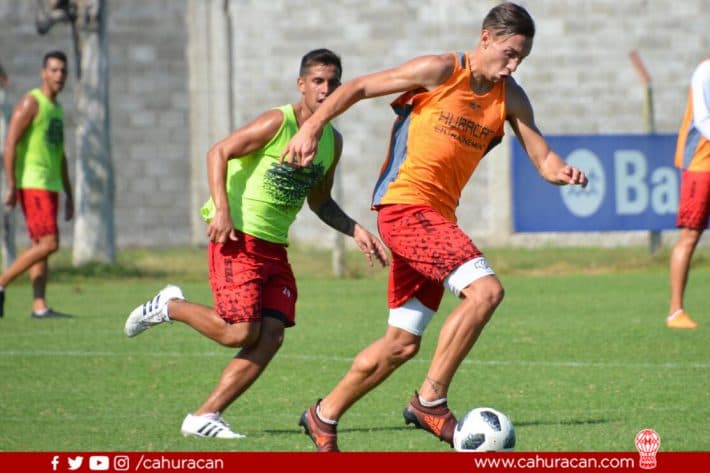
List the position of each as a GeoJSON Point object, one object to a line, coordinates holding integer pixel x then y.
{"type": "Point", "coordinates": [680, 319]}
{"type": "Point", "coordinates": [438, 419]}
{"type": "Point", "coordinates": [324, 435]}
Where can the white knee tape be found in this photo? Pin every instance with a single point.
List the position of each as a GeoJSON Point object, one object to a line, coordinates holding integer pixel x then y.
{"type": "Point", "coordinates": [412, 316]}
{"type": "Point", "coordinates": [467, 273]}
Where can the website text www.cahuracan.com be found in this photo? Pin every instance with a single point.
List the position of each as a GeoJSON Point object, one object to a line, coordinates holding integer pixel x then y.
{"type": "Point", "coordinates": [541, 462]}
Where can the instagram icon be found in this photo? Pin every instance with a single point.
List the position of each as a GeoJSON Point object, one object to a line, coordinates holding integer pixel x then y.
{"type": "Point", "coordinates": [121, 463]}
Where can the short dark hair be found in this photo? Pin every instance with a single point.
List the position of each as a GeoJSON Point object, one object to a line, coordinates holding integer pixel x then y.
{"type": "Point", "coordinates": [320, 56]}
{"type": "Point", "coordinates": [509, 19]}
{"type": "Point", "coordinates": [54, 55]}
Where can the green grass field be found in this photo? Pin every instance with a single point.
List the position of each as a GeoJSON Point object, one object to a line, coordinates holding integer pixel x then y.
{"type": "Point", "coordinates": [577, 355]}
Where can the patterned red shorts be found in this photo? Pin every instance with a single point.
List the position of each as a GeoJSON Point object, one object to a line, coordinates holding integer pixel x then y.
{"type": "Point", "coordinates": [425, 248]}
{"type": "Point", "coordinates": [250, 279]}
{"type": "Point", "coordinates": [40, 208]}
{"type": "Point", "coordinates": [694, 205]}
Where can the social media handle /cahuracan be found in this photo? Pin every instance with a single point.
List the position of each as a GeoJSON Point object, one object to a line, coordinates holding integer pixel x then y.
{"type": "Point", "coordinates": [162, 462]}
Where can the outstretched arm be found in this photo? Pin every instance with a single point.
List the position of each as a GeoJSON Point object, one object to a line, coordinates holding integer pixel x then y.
{"type": "Point", "coordinates": [424, 71]}
{"type": "Point", "coordinates": [548, 163]}
{"type": "Point", "coordinates": [331, 213]}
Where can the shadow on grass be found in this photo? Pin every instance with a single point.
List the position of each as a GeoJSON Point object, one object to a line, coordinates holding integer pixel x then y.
{"type": "Point", "coordinates": [409, 427]}
{"type": "Point", "coordinates": [63, 272]}
{"type": "Point", "coordinates": [563, 422]}
{"type": "Point", "coordinates": [342, 431]}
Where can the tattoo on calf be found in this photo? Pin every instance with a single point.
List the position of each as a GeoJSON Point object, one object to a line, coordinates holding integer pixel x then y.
{"type": "Point", "coordinates": [439, 388]}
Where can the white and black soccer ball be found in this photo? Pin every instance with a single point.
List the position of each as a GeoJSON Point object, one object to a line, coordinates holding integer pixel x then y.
{"type": "Point", "coordinates": [484, 429]}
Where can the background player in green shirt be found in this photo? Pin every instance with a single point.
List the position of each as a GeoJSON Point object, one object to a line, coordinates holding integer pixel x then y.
{"type": "Point", "coordinates": [35, 173]}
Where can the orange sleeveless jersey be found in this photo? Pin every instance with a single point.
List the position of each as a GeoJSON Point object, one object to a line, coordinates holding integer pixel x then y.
{"type": "Point", "coordinates": [437, 141]}
{"type": "Point", "coordinates": [692, 149]}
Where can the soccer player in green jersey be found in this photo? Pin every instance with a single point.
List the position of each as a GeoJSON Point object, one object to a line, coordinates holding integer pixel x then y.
{"type": "Point", "coordinates": [254, 200]}
{"type": "Point", "coordinates": [36, 172]}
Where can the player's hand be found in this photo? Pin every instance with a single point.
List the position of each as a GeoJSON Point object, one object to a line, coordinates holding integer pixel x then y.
{"type": "Point", "coordinates": [220, 229]}
{"type": "Point", "coordinates": [571, 175]}
{"type": "Point", "coordinates": [301, 149]}
{"type": "Point", "coordinates": [371, 246]}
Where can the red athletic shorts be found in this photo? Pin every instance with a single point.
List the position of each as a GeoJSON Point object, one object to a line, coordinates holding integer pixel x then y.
{"type": "Point", "coordinates": [694, 206]}
{"type": "Point", "coordinates": [425, 248]}
{"type": "Point", "coordinates": [250, 279]}
{"type": "Point", "coordinates": [40, 208]}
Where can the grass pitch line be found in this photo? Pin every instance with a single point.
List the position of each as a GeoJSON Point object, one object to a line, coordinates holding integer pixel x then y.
{"type": "Point", "coordinates": [343, 359]}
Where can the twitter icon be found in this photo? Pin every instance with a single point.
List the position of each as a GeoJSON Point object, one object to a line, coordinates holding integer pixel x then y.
{"type": "Point", "coordinates": [75, 463]}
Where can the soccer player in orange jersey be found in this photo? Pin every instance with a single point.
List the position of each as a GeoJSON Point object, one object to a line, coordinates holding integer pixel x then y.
{"type": "Point", "coordinates": [693, 158]}
{"type": "Point", "coordinates": [451, 112]}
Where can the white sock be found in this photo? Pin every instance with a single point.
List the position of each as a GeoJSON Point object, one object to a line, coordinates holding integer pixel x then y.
{"type": "Point", "coordinates": [42, 311]}
{"type": "Point", "coordinates": [327, 421]}
{"type": "Point", "coordinates": [435, 403]}
{"type": "Point", "coordinates": [2, 288]}
{"type": "Point", "coordinates": [675, 313]}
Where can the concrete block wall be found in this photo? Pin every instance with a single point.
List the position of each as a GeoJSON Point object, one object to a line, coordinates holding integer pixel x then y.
{"type": "Point", "coordinates": [149, 106]}
{"type": "Point", "coordinates": [578, 77]}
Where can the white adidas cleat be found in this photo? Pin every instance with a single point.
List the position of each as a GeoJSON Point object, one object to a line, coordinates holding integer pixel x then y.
{"type": "Point", "coordinates": [153, 312]}
{"type": "Point", "coordinates": [209, 426]}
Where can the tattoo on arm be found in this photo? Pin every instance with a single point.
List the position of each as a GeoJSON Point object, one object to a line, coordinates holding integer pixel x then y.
{"type": "Point", "coordinates": [334, 216]}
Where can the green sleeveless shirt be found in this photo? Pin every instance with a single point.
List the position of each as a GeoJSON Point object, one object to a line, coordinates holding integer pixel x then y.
{"type": "Point", "coordinates": [39, 153]}
{"type": "Point", "coordinates": [265, 195]}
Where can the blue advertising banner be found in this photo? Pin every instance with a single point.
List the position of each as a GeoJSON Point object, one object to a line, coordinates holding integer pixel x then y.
{"type": "Point", "coordinates": [633, 185]}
